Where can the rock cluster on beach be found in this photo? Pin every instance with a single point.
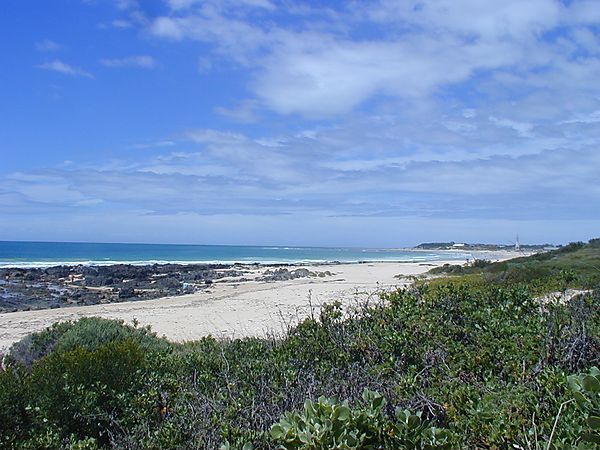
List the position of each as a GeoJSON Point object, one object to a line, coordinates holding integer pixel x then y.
{"type": "Point", "coordinates": [55, 287]}
{"type": "Point", "coordinates": [24, 289]}
{"type": "Point", "coordinates": [284, 274]}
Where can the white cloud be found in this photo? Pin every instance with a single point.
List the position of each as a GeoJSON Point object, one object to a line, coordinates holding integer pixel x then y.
{"type": "Point", "coordinates": [141, 61]}
{"type": "Point", "coordinates": [185, 4]}
{"type": "Point", "coordinates": [47, 46]}
{"type": "Point", "coordinates": [215, 137]}
{"type": "Point", "coordinates": [204, 64]}
{"type": "Point", "coordinates": [156, 144]}
{"type": "Point", "coordinates": [434, 109]}
{"type": "Point", "coordinates": [421, 48]}
{"type": "Point", "coordinates": [233, 37]}
{"type": "Point", "coordinates": [489, 20]}
{"type": "Point", "coordinates": [316, 76]}
{"type": "Point", "coordinates": [62, 67]}
{"type": "Point", "coordinates": [168, 28]}
{"type": "Point", "coordinates": [121, 23]}
{"type": "Point", "coordinates": [410, 164]}
{"type": "Point", "coordinates": [593, 117]}
{"type": "Point", "coordinates": [245, 112]}
{"type": "Point", "coordinates": [583, 12]}
{"type": "Point", "coordinates": [127, 4]}
{"type": "Point", "coordinates": [523, 129]}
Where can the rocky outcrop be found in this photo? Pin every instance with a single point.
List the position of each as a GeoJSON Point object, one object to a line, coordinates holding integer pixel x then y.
{"type": "Point", "coordinates": [53, 287]}
{"type": "Point", "coordinates": [284, 274]}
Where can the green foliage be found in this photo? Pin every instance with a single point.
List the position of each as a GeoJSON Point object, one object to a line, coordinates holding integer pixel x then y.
{"type": "Point", "coordinates": [331, 424]}
{"type": "Point", "coordinates": [83, 392]}
{"type": "Point", "coordinates": [576, 265]}
{"type": "Point", "coordinates": [236, 446]}
{"type": "Point", "coordinates": [76, 396]}
{"type": "Point", "coordinates": [586, 393]}
{"type": "Point", "coordinates": [88, 333]}
{"type": "Point", "coordinates": [460, 362]}
{"type": "Point", "coordinates": [13, 416]}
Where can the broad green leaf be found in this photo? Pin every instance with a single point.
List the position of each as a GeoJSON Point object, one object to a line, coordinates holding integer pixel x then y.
{"type": "Point", "coordinates": [594, 422]}
{"type": "Point", "coordinates": [573, 382]}
{"type": "Point", "coordinates": [591, 437]}
{"type": "Point", "coordinates": [591, 383]}
{"type": "Point", "coordinates": [414, 421]}
{"type": "Point", "coordinates": [277, 432]}
{"type": "Point", "coordinates": [342, 413]}
{"type": "Point", "coordinates": [378, 402]}
{"type": "Point", "coordinates": [580, 399]}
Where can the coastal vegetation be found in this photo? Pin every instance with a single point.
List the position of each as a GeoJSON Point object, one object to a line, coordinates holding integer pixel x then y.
{"type": "Point", "coordinates": [576, 265]}
{"type": "Point", "coordinates": [474, 360]}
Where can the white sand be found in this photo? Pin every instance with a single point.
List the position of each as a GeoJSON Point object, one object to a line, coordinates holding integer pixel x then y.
{"type": "Point", "coordinates": [235, 309]}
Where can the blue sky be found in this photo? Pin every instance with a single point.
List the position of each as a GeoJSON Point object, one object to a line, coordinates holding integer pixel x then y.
{"type": "Point", "coordinates": [367, 123]}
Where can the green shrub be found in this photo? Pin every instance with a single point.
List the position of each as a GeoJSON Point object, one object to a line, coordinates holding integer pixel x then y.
{"type": "Point", "coordinates": [484, 362]}
{"type": "Point", "coordinates": [586, 393]}
{"type": "Point", "coordinates": [13, 414]}
{"type": "Point", "coordinates": [85, 392]}
{"type": "Point", "coordinates": [330, 424]}
{"type": "Point", "coordinates": [88, 333]}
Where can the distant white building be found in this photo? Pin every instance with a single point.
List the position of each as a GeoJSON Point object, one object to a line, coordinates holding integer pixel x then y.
{"type": "Point", "coordinates": [458, 245]}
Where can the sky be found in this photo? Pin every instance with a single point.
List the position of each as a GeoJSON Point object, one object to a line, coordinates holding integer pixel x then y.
{"type": "Point", "coordinates": [263, 122]}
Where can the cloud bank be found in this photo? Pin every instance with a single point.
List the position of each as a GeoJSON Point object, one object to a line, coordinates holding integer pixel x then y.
{"type": "Point", "coordinates": [445, 116]}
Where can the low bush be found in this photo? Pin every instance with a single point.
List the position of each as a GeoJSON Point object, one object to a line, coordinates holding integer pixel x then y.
{"type": "Point", "coordinates": [586, 393]}
{"type": "Point", "coordinates": [89, 333]}
{"type": "Point", "coordinates": [330, 424]}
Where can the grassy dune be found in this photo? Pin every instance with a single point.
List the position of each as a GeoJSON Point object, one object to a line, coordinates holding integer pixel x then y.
{"type": "Point", "coordinates": [576, 265]}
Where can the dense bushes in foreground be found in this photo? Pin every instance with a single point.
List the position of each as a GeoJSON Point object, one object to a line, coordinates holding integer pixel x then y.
{"type": "Point", "coordinates": [458, 365]}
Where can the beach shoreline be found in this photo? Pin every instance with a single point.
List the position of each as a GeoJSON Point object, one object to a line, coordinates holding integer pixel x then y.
{"type": "Point", "coordinates": [234, 307]}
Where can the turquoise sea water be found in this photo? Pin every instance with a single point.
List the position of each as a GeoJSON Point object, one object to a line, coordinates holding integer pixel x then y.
{"type": "Point", "coordinates": [31, 254]}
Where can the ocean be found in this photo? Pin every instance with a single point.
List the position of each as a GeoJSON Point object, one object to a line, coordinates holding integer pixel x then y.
{"type": "Point", "coordinates": [44, 254]}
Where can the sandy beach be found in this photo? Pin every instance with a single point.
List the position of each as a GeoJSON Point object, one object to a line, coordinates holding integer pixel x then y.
{"type": "Point", "coordinates": [231, 308]}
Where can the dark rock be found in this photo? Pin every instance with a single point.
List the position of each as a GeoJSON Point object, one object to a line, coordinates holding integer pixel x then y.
{"type": "Point", "coordinates": [68, 285]}
{"type": "Point", "coordinates": [283, 274]}
{"type": "Point", "coordinates": [127, 292]}
{"type": "Point", "coordinates": [169, 283]}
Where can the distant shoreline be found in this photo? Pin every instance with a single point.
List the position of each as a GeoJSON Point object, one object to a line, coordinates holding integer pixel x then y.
{"type": "Point", "coordinates": [50, 254]}
{"type": "Point", "coordinates": [457, 254]}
